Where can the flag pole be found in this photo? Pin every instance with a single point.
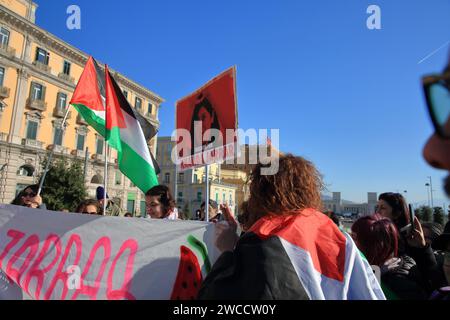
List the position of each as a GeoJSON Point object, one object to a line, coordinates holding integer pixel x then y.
{"type": "Point", "coordinates": [50, 157]}
{"type": "Point", "coordinates": [105, 146]}
{"type": "Point", "coordinates": [207, 193]}
{"type": "Point", "coordinates": [105, 182]}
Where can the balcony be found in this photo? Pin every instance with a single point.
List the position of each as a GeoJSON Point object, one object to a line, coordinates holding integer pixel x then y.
{"type": "Point", "coordinates": [7, 50]}
{"type": "Point", "coordinates": [78, 153]}
{"type": "Point", "coordinates": [42, 66]}
{"type": "Point", "coordinates": [4, 92]}
{"type": "Point", "coordinates": [58, 149]}
{"type": "Point", "coordinates": [98, 157]}
{"type": "Point", "coordinates": [80, 120]}
{"type": "Point", "coordinates": [60, 113]}
{"type": "Point", "coordinates": [66, 77]}
{"type": "Point", "coordinates": [40, 105]}
{"type": "Point", "coordinates": [32, 143]}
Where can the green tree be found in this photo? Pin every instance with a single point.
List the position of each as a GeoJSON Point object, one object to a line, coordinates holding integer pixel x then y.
{"type": "Point", "coordinates": [186, 212]}
{"type": "Point", "coordinates": [427, 214]}
{"type": "Point", "coordinates": [418, 214]}
{"type": "Point", "coordinates": [64, 186]}
{"type": "Point", "coordinates": [438, 216]}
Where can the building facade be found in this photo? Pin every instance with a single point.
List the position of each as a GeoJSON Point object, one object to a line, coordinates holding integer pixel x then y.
{"type": "Point", "coordinates": [189, 187]}
{"type": "Point", "coordinates": [339, 206]}
{"type": "Point", "coordinates": [38, 74]}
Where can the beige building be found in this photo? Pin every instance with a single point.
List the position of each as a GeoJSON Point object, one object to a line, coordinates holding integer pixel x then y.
{"type": "Point", "coordinates": [190, 185]}
{"type": "Point", "coordinates": [339, 206]}
{"type": "Point", "coordinates": [38, 74]}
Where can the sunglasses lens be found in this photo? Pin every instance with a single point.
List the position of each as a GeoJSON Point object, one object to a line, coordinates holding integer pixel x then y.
{"type": "Point", "coordinates": [439, 96]}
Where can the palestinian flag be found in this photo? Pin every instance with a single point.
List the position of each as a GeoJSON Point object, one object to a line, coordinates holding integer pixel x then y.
{"type": "Point", "coordinates": [89, 96]}
{"type": "Point", "coordinates": [293, 257]}
{"type": "Point", "coordinates": [100, 101]}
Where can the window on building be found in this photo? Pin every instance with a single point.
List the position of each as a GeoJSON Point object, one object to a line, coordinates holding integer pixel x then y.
{"type": "Point", "coordinates": [100, 145]}
{"type": "Point", "coordinates": [167, 178]}
{"type": "Point", "coordinates": [32, 130]}
{"type": "Point", "coordinates": [61, 101]}
{"type": "Point", "coordinates": [130, 206]}
{"type": "Point", "coordinates": [97, 179]}
{"type": "Point", "coordinates": [143, 209]}
{"type": "Point", "coordinates": [42, 56]}
{"type": "Point", "coordinates": [195, 178]}
{"type": "Point", "coordinates": [224, 198]}
{"type": "Point", "coordinates": [26, 171]}
{"type": "Point", "coordinates": [58, 137]}
{"type": "Point", "coordinates": [231, 200]}
{"type": "Point", "coordinates": [66, 68]}
{"type": "Point", "coordinates": [37, 91]}
{"type": "Point", "coordinates": [138, 103]}
{"type": "Point", "coordinates": [180, 197]}
{"type": "Point", "coordinates": [181, 178]}
{"type": "Point", "coordinates": [20, 187]}
{"type": "Point", "coordinates": [199, 195]}
{"type": "Point", "coordinates": [150, 108]}
{"type": "Point", "coordinates": [125, 93]}
{"type": "Point", "coordinates": [4, 36]}
{"type": "Point", "coordinates": [118, 178]}
{"type": "Point", "coordinates": [217, 197]}
{"type": "Point", "coordinates": [2, 76]}
{"type": "Point", "coordinates": [80, 141]}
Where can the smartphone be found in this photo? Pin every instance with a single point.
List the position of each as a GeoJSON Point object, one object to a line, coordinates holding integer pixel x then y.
{"type": "Point", "coordinates": [412, 218]}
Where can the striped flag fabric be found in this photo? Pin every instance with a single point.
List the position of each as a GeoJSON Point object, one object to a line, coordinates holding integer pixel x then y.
{"type": "Point", "coordinates": [326, 260]}
{"type": "Point", "coordinates": [296, 256]}
{"type": "Point", "coordinates": [101, 102]}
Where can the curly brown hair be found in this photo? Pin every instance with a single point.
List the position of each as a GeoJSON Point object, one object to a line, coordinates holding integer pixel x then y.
{"type": "Point", "coordinates": [296, 186]}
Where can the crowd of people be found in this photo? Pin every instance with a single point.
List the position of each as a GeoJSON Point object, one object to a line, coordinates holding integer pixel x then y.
{"type": "Point", "coordinates": [413, 257]}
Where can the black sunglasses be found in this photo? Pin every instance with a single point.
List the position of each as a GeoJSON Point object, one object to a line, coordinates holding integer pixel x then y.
{"type": "Point", "coordinates": [29, 194]}
{"type": "Point", "coordinates": [437, 94]}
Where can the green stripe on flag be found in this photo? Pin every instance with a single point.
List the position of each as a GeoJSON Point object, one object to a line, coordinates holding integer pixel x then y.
{"type": "Point", "coordinates": [137, 169]}
{"type": "Point", "coordinates": [91, 118]}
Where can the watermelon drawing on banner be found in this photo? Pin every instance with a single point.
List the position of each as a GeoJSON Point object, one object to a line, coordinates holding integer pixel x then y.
{"type": "Point", "coordinates": [189, 276]}
{"type": "Point", "coordinates": [201, 248]}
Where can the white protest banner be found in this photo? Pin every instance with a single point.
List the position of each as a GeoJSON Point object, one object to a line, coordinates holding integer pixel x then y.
{"type": "Point", "coordinates": [59, 256]}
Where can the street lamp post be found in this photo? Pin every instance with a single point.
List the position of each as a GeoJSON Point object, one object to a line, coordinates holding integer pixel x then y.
{"type": "Point", "coordinates": [431, 192]}
{"type": "Point", "coordinates": [428, 192]}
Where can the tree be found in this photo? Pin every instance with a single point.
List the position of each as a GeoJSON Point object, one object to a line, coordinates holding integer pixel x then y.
{"type": "Point", "coordinates": [418, 214]}
{"type": "Point", "coordinates": [186, 212]}
{"type": "Point", "coordinates": [438, 216]}
{"type": "Point", "coordinates": [427, 214]}
{"type": "Point", "coordinates": [64, 186]}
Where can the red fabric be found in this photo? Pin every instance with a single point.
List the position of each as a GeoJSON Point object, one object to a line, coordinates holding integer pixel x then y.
{"type": "Point", "coordinates": [114, 116]}
{"type": "Point", "coordinates": [313, 232]}
{"type": "Point", "coordinates": [87, 92]}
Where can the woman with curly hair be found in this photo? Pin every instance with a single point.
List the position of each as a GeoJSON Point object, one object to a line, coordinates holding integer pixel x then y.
{"type": "Point", "coordinates": [290, 249]}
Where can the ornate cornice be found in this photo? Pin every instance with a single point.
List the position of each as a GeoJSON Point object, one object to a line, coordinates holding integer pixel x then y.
{"type": "Point", "coordinates": [66, 50]}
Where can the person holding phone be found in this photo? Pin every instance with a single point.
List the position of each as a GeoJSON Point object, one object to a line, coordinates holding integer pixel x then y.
{"type": "Point", "coordinates": [411, 240]}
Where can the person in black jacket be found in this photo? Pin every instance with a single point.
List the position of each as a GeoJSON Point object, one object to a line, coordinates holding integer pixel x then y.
{"type": "Point", "coordinates": [377, 238]}
{"type": "Point", "coordinates": [283, 228]}
{"type": "Point", "coordinates": [410, 242]}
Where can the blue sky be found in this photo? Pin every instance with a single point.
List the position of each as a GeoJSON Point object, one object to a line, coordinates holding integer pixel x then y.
{"type": "Point", "coordinates": [343, 96]}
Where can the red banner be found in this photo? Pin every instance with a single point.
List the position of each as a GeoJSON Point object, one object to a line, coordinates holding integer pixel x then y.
{"type": "Point", "coordinates": [208, 115]}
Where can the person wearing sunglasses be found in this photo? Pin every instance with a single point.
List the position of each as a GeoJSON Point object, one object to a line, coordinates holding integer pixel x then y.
{"type": "Point", "coordinates": [29, 197]}
{"type": "Point", "coordinates": [437, 149]}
